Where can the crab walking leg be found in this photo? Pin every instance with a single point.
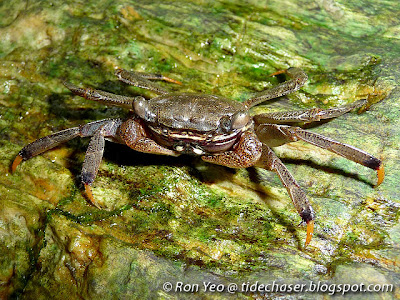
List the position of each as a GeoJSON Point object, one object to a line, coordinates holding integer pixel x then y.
{"type": "Point", "coordinates": [94, 153]}
{"type": "Point", "coordinates": [309, 115]}
{"type": "Point", "coordinates": [271, 162]}
{"type": "Point", "coordinates": [101, 96]}
{"type": "Point", "coordinates": [106, 127]}
{"type": "Point", "coordinates": [91, 163]}
{"type": "Point", "coordinates": [276, 135]}
{"type": "Point", "coordinates": [142, 80]}
{"type": "Point", "coordinates": [43, 144]}
{"type": "Point", "coordinates": [150, 76]}
{"type": "Point", "coordinates": [53, 140]}
{"type": "Point", "coordinates": [299, 78]}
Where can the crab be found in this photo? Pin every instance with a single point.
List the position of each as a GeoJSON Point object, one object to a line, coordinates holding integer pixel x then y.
{"type": "Point", "coordinates": [219, 130]}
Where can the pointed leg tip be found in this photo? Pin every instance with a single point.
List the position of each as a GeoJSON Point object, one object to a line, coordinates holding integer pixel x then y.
{"type": "Point", "coordinates": [310, 231]}
{"type": "Point", "coordinates": [171, 80]}
{"type": "Point", "coordinates": [16, 162]}
{"type": "Point", "coordinates": [381, 175]}
{"type": "Point", "coordinates": [88, 191]}
{"type": "Point", "coordinates": [278, 72]}
{"type": "Point", "coordinates": [89, 195]}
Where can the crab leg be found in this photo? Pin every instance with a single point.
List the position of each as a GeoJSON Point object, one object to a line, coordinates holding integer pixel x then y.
{"type": "Point", "coordinates": [94, 155]}
{"type": "Point", "coordinates": [43, 144]}
{"type": "Point", "coordinates": [101, 96]}
{"type": "Point", "coordinates": [309, 115]}
{"type": "Point", "coordinates": [150, 76]}
{"type": "Point", "coordinates": [142, 80]}
{"type": "Point", "coordinates": [249, 149]}
{"type": "Point", "coordinates": [299, 78]}
{"type": "Point", "coordinates": [97, 129]}
{"type": "Point", "coordinates": [53, 140]}
{"type": "Point", "coordinates": [271, 162]}
{"type": "Point", "coordinates": [91, 163]}
{"type": "Point", "coordinates": [275, 135]}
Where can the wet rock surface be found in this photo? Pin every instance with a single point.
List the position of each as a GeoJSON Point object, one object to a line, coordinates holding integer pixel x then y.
{"type": "Point", "coordinates": [180, 220]}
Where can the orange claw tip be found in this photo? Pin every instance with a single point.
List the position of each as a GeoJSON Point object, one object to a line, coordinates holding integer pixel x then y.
{"type": "Point", "coordinates": [278, 72]}
{"type": "Point", "coordinates": [171, 80]}
{"type": "Point", "coordinates": [381, 175]}
{"type": "Point", "coordinates": [310, 231]}
{"type": "Point", "coordinates": [16, 162]}
{"type": "Point", "coordinates": [89, 194]}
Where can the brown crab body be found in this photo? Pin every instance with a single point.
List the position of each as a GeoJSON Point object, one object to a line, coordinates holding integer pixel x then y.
{"type": "Point", "coordinates": [195, 124]}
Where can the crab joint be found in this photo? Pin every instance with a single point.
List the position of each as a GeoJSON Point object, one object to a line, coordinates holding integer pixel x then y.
{"type": "Point", "coordinates": [310, 230]}
{"type": "Point", "coordinates": [16, 162]}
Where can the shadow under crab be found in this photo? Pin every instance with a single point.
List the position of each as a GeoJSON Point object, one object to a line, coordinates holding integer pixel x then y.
{"type": "Point", "coordinates": [218, 130]}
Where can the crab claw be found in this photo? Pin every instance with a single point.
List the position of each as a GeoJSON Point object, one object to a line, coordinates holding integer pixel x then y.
{"type": "Point", "coordinates": [381, 175]}
{"type": "Point", "coordinates": [310, 231]}
{"type": "Point", "coordinates": [16, 162]}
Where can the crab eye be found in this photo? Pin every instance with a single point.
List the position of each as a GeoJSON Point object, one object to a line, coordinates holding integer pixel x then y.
{"type": "Point", "coordinates": [236, 121]}
{"type": "Point", "coordinates": [225, 124]}
{"type": "Point", "coordinates": [240, 119]}
{"type": "Point", "coordinates": [141, 108]}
